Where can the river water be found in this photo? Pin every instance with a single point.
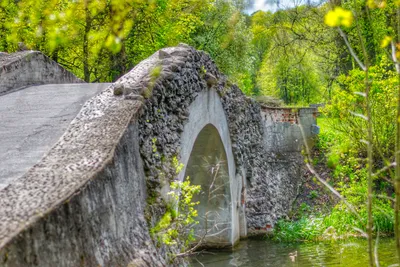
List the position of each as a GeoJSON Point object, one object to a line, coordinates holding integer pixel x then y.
{"type": "Point", "coordinates": [254, 253]}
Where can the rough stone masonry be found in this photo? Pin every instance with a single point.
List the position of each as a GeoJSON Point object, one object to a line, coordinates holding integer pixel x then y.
{"type": "Point", "coordinates": [84, 203]}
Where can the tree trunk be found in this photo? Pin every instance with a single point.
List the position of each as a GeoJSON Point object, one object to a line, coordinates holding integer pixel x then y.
{"type": "Point", "coordinates": [88, 25]}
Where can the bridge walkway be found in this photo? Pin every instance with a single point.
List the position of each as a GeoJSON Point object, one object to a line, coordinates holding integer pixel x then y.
{"type": "Point", "coordinates": [33, 119]}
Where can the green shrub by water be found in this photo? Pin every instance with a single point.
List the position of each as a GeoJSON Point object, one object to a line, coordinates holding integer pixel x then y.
{"type": "Point", "coordinates": [339, 224]}
{"type": "Point", "coordinates": [300, 230]}
{"type": "Point", "coordinates": [349, 178]}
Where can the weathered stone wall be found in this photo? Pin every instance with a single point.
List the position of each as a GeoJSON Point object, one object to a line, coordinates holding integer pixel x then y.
{"type": "Point", "coordinates": [282, 128]}
{"type": "Point", "coordinates": [185, 73]}
{"type": "Point", "coordinates": [274, 187]}
{"type": "Point", "coordinates": [270, 179]}
{"type": "Point", "coordinates": [29, 68]}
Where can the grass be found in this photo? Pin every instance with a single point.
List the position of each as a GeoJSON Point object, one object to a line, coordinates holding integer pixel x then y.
{"type": "Point", "coordinates": [339, 224]}
{"type": "Point", "coordinates": [304, 229]}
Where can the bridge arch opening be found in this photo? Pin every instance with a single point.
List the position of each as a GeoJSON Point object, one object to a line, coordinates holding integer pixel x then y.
{"type": "Point", "coordinates": [208, 166]}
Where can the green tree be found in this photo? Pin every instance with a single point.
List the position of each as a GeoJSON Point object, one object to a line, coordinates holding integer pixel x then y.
{"type": "Point", "coordinates": [225, 35]}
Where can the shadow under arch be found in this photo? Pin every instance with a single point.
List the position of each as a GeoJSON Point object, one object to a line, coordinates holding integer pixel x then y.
{"type": "Point", "coordinates": [208, 166]}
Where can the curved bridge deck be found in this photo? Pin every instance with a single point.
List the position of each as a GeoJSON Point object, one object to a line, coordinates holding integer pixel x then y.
{"type": "Point", "coordinates": [33, 119]}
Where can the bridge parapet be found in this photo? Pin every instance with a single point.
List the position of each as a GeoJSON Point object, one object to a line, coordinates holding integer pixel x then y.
{"type": "Point", "coordinates": [287, 128]}
{"type": "Point", "coordinates": [27, 68]}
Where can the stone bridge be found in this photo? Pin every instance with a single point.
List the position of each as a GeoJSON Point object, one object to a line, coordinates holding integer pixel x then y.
{"type": "Point", "coordinates": [85, 168]}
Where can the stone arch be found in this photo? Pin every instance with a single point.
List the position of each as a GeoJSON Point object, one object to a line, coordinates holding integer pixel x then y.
{"type": "Point", "coordinates": [208, 167]}
{"type": "Point", "coordinates": [207, 122]}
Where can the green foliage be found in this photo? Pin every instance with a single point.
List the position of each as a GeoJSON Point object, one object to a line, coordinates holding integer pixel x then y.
{"type": "Point", "coordinates": [338, 224]}
{"type": "Point", "coordinates": [313, 194]}
{"type": "Point", "coordinates": [153, 145]}
{"type": "Point", "coordinates": [350, 176]}
{"type": "Point", "coordinates": [177, 165]}
{"type": "Point", "coordinates": [293, 83]}
{"type": "Point", "coordinates": [176, 226]}
{"type": "Point", "coordinates": [304, 229]}
{"type": "Point", "coordinates": [154, 75]}
{"type": "Point", "coordinates": [302, 59]}
{"type": "Point", "coordinates": [295, 64]}
{"type": "Point", "coordinates": [348, 101]}
{"type": "Point", "coordinates": [226, 36]}
{"type": "Point", "coordinates": [99, 40]}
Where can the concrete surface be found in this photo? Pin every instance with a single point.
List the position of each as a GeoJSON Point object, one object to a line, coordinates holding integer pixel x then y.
{"type": "Point", "coordinates": [33, 119]}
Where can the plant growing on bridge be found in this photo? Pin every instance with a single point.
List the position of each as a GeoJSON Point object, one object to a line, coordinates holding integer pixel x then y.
{"type": "Point", "coordinates": [176, 226]}
{"type": "Point", "coordinates": [214, 225]}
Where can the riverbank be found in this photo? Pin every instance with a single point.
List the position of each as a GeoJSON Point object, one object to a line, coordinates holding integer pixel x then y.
{"type": "Point", "coordinates": [319, 215]}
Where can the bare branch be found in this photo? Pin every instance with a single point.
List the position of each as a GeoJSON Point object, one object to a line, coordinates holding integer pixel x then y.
{"type": "Point", "coordinates": [376, 250]}
{"type": "Point", "coordinates": [336, 193]}
{"type": "Point", "coordinates": [199, 262]}
{"type": "Point", "coordinates": [393, 164]}
{"type": "Point", "coordinates": [394, 58]}
{"type": "Point", "coordinates": [362, 66]}
{"type": "Point", "coordinates": [325, 183]}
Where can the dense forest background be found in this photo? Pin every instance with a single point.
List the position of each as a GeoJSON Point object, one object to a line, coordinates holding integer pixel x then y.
{"type": "Point", "coordinates": [300, 55]}
{"type": "Point", "coordinates": [290, 54]}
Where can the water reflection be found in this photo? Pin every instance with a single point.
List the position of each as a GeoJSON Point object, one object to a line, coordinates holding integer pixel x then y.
{"type": "Point", "coordinates": [267, 253]}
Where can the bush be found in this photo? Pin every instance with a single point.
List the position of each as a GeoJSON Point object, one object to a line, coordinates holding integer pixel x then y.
{"type": "Point", "coordinates": [348, 106]}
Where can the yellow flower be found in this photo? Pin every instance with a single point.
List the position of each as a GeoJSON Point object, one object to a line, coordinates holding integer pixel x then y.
{"type": "Point", "coordinates": [331, 19]}
{"type": "Point", "coordinates": [339, 17]}
{"type": "Point", "coordinates": [386, 41]}
{"type": "Point", "coordinates": [371, 4]}
{"type": "Point", "coordinates": [398, 54]}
